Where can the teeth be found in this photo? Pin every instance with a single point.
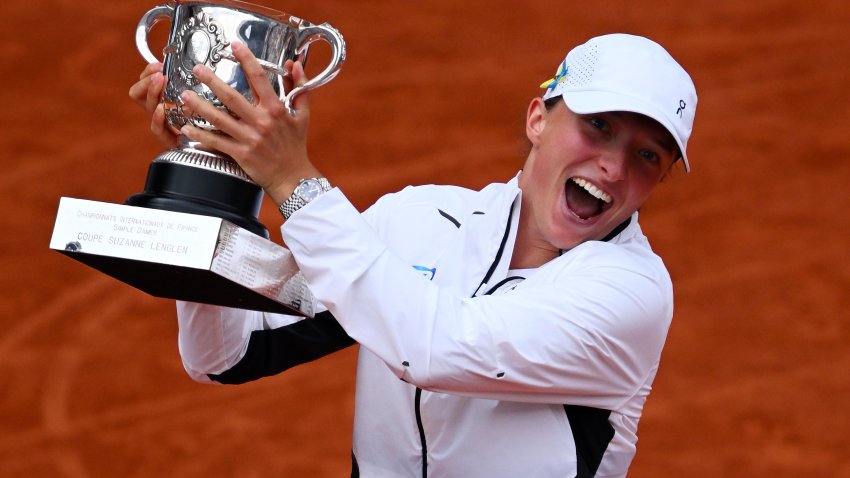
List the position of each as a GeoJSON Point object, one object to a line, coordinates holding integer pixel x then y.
{"type": "Point", "coordinates": [593, 190]}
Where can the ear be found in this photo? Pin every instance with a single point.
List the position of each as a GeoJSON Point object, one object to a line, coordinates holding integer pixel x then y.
{"type": "Point", "coordinates": [535, 120]}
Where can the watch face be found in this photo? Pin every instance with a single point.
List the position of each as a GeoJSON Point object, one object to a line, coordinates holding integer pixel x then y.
{"type": "Point", "coordinates": [309, 189]}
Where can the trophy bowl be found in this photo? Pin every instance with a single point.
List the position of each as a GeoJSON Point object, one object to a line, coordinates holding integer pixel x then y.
{"type": "Point", "coordinates": [193, 179]}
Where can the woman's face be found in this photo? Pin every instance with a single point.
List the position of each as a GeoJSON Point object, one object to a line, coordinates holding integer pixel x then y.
{"type": "Point", "coordinates": [585, 174]}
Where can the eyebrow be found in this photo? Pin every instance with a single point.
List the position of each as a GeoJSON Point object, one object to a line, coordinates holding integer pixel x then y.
{"type": "Point", "coordinates": [667, 142]}
{"type": "Point", "coordinates": [663, 138]}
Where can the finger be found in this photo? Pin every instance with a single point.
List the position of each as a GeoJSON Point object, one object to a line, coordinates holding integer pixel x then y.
{"type": "Point", "coordinates": [151, 68]}
{"type": "Point", "coordinates": [157, 82]}
{"type": "Point", "coordinates": [301, 102]}
{"type": "Point", "coordinates": [212, 140]}
{"type": "Point", "coordinates": [287, 80]}
{"type": "Point", "coordinates": [138, 92]}
{"type": "Point", "coordinates": [256, 75]}
{"type": "Point", "coordinates": [224, 92]}
{"type": "Point", "coordinates": [158, 121]}
{"type": "Point", "coordinates": [298, 74]}
{"type": "Point", "coordinates": [160, 128]}
{"type": "Point", "coordinates": [218, 117]}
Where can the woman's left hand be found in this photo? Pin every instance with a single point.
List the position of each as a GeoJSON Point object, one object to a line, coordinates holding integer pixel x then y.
{"type": "Point", "coordinates": [268, 143]}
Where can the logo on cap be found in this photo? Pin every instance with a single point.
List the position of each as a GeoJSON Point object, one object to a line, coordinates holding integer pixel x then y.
{"type": "Point", "coordinates": [682, 105]}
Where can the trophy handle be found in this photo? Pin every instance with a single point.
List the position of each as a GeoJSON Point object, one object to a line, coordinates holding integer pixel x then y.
{"type": "Point", "coordinates": [149, 19]}
{"type": "Point", "coordinates": [308, 34]}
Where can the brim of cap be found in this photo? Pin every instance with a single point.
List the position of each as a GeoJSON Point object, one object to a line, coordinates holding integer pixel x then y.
{"type": "Point", "coordinates": [589, 102]}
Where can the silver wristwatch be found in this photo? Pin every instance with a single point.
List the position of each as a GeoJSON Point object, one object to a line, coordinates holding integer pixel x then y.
{"type": "Point", "coordinates": [307, 190]}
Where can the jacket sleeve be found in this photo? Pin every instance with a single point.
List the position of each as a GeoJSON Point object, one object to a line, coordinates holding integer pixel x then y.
{"type": "Point", "coordinates": [231, 346]}
{"type": "Point", "coordinates": [226, 345]}
{"type": "Point", "coordinates": [591, 339]}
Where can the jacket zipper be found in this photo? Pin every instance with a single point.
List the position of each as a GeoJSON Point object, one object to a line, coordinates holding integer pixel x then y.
{"type": "Point", "coordinates": [499, 253]}
{"type": "Point", "coordinates": [417, 400]}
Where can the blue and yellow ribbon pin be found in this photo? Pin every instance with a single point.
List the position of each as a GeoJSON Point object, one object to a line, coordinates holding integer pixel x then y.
{"type": "Point", "coordinates": [559, 77]}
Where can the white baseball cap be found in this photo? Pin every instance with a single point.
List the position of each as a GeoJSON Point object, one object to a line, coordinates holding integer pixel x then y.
{"type": "Point", "coordinates": [622, 72]}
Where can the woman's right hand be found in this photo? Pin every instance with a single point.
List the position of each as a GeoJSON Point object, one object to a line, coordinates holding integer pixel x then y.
{"type": "Point", "coordinates": [146, 93]}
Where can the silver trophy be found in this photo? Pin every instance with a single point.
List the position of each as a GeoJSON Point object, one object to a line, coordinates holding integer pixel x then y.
{"type": "Point", "coordinates": [190, 178]}
{"type": "Point", "coordinates": [196, 236]}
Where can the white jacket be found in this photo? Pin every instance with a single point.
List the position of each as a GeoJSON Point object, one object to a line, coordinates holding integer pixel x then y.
{"type": "Point", "coordinates": [543, 377]}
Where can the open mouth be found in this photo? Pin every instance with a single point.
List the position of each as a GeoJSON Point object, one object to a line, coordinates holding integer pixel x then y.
{"type": "Point", "coordinates": [584, 199]}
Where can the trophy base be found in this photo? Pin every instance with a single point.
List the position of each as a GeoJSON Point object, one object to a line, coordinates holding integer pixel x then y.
{"type": "Point", "coordinates": [189, 284]}
{"type": "Point", "coordinates": [181, 256]}
{"type": "Point", "coordinates": [184, 188]}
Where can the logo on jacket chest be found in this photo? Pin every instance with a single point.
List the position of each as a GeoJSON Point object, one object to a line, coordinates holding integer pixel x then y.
{"type": "Point", "coordinates": [428, 272]}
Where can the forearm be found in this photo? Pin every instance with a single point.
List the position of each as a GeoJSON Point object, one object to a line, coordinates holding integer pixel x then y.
{"type": "Point", "coordinates": [212, 339]}
{"type": "Point", "coordinates": [232, 346]}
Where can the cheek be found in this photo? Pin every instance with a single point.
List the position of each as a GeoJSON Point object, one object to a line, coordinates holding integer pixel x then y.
{"type": "Point", "coordinates": [641, 188]}
{"type": "Point", "coordinates": [553, 159]}
{"type": "Point", "coordinates": [536, 172]}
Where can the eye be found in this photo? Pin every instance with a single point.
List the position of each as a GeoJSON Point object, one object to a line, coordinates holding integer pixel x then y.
{"type": "Point", "coordinates": [649, 155]}
{"type": "Point", "coordinates": [598, 123]}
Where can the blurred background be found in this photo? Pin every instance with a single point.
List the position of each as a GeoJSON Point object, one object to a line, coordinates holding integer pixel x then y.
{"type": "Point", "coordinates": [755, 378]}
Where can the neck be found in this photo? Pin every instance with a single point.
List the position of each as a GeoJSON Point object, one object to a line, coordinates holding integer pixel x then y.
{"type": "Point", "coordinates": [531, 256]}
{"type": "Point", "coordinates": [529, 253]}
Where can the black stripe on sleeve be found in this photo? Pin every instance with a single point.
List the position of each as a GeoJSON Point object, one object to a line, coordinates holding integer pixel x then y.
{"type": "Point", "coordinates": [273, 351]}
{"type": "Point", "coordinates": [592, 433]}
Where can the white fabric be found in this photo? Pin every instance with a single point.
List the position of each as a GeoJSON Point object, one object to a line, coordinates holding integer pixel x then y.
{"type": "Point", "coordinates": [584, 329]}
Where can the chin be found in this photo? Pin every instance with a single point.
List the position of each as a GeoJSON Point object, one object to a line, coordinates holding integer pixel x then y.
{"type": "Point", "coordinates": [569, 239]}
{"type": "Point", "coordinates": [566, 242]}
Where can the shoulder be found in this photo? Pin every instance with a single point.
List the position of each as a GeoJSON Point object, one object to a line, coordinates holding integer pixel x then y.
{"type": "Point", "coordinates": [627, 263]}
{"type": "Point", "coordinates": [633, 255]}
{"type": "Point", "coordinates": [455, 201]}
{"type": "Point", "coordinates": [431, 194]}
{"type": "Point", "coordinates": [625, 287]}
{"type": "Point", "coordinates": [436, 217]}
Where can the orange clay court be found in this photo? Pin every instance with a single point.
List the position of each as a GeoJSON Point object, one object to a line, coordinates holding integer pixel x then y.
{"type": "Point", "coordinates": [755, 378]}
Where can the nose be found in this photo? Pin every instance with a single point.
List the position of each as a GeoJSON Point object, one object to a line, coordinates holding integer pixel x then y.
{"type": "Point", "coordinates": [613, 163]}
